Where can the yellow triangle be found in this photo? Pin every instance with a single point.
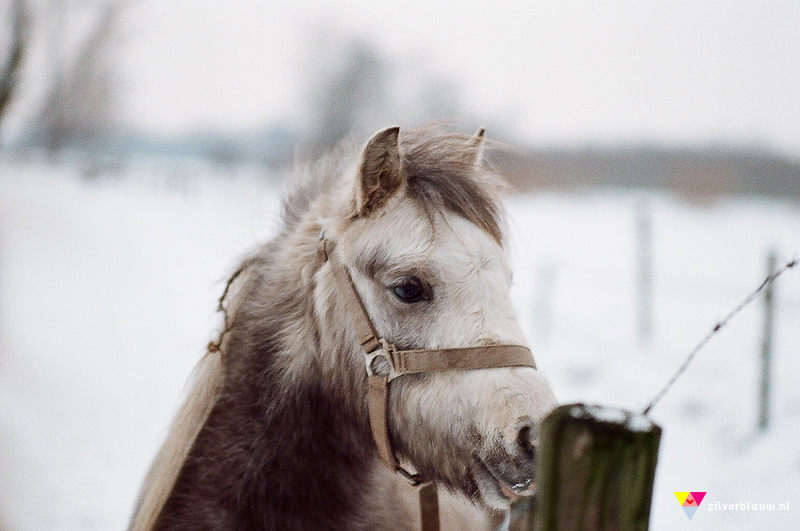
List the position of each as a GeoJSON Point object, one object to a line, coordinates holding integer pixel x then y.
{"type": "Point", "coordinates": [681, 496]}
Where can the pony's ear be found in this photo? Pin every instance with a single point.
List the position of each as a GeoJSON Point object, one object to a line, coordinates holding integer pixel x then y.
{"type": "Point", "coordinates": [380, 171]}
{"type": "Point", "coordinates": [478, 143]}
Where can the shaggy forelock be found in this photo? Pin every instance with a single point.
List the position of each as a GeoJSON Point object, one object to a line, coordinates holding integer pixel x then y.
{"type": "Point", "coordinates": [441, 176]}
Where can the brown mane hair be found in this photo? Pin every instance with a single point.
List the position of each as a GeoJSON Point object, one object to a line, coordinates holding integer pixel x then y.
{"type": "Point", "coordinates": [445, 173]}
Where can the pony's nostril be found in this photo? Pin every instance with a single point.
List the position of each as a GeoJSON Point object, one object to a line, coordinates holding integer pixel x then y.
{"type": "Point", "coordinates": [526, 439]}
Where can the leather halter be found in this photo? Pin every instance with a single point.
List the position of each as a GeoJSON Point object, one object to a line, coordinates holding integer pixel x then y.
{"type": "Point", "coordinates": [384, 363]}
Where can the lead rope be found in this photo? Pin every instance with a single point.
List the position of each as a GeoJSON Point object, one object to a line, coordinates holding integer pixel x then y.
{"type": "Point", "coordinates": [384, 364]}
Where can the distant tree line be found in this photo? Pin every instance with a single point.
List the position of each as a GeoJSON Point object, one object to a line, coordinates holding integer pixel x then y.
{"type": "Point", "coordinates": [352, 90]}
{"type": "Point", "coordinates": [700, 174]}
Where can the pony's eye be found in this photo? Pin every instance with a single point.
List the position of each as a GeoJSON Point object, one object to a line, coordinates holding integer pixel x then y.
{"type": "Point", "coordinates": [410, 289]}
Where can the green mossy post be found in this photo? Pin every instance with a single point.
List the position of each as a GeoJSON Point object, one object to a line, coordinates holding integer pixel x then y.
{"type": "Point", "coordinates": [596, 471]}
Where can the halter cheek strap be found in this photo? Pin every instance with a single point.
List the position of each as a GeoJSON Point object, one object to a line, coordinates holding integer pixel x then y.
{"type": "Point", "coordinates": [384, 363]}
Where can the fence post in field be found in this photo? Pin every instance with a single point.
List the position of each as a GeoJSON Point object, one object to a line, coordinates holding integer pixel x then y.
{"type": "Point", "coordinates": [543, 301]}
{"type": "Point", "coordinates": [644, 272]}
{"type": "Point", "coordinates": [596, 468]}
{"type": "Point", "coordinates": [766, 345]}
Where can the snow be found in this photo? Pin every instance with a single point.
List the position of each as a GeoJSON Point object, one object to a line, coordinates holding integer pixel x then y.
{"type": "Point", "coordinates": [629, 420]}
{"type": "Point", "coordinates": [108, 289]}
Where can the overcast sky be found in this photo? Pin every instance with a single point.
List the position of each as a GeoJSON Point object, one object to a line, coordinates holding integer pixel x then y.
{"type": "Point", "coordinates": [564, 71]}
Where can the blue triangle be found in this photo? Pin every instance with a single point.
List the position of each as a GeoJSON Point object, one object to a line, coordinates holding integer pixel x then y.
{"type": "Point", "coordinates": [690, 511]}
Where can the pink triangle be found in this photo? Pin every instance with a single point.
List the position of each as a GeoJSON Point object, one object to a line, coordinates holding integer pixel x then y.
{"type": "Point", "coordinates": [690, 502]}
{"type": "Point", "coordinates": [698, 497]}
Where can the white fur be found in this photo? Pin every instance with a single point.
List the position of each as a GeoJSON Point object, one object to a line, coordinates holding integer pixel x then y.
{"type": "Point", "coordinates": [470, 278]}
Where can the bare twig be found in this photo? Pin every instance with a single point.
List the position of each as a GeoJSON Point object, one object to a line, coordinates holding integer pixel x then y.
{"type": "Point", "coordinates": [717, 327]}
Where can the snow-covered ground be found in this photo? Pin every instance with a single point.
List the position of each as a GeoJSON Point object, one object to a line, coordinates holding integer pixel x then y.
{"type": "Point", "coordinates": [108, 290]}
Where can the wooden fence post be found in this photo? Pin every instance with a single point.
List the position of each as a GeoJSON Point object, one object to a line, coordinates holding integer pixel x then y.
{"type": "Point", "coordinates": [596, 470]}
{"type": "Point", "coordinates": [644, 272]}
{"type": "Point", "coordinates": [543, 301]}
{"type": "Point", "coordinates": [766, 345]}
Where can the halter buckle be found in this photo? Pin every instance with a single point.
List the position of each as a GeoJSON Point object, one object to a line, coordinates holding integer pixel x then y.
{"type": "Point", "coordinates": [380, 362]}
{"type": "Point", "coordinates": [413, 479]}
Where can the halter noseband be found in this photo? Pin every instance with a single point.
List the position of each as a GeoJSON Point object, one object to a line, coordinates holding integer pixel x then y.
{"type": "Point", "coordinates": [384, 363]}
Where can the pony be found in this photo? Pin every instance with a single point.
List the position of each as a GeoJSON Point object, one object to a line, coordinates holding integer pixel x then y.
{"type": "Point", "coordinates": [275, 431]}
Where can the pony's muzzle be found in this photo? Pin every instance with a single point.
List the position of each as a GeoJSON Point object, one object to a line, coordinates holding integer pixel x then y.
{"type": "Point", "coordinates": [506, 468]}
{"type": "Point", "coordinates": [516, 473]}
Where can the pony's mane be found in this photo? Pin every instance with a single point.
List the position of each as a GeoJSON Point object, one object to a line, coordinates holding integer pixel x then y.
{"type": "Point", "coordinates": [444, 173]}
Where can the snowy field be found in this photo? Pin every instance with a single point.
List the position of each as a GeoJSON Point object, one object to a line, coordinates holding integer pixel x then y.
{"type": "Point", "coordinates": [107, 298]}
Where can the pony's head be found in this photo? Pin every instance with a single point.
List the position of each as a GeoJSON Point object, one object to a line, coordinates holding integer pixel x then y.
{"type": "Point", "coordinates": [419, 225]}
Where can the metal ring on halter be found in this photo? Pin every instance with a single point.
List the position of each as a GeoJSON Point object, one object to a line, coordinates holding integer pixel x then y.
{"type": "Point", "coordinates": [373, 362]}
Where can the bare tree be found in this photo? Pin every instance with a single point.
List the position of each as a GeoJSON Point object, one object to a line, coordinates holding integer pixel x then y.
{"type": "Point", "coordinates": [80, 103]}
{"type": "Point", "coordinates": [18, 41]}
{"type": "Point", "coordinates": [348, 86]}
{"type": "Point", "coordinates": [354, 89]}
